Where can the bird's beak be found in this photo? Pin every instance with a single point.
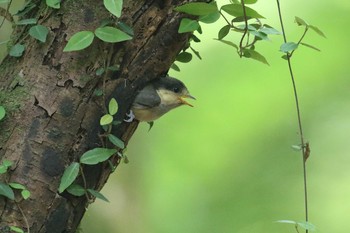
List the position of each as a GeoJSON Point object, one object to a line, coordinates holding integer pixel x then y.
{"type": "Point", "coordinates": [184, 101]}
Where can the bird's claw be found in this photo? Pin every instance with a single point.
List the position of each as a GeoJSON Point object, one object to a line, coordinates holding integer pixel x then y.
{"type": "Point", "coordinates": [130, 116]}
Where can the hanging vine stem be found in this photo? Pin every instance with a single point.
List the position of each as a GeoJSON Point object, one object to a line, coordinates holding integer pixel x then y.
{"type": "Point", "coordinates": [241, 47]}
{"type": "Point", "coordinates": [303, 149]}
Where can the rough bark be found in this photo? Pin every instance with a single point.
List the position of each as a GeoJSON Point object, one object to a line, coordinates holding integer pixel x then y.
{"type": "Point", "coordinates": [52, 112]}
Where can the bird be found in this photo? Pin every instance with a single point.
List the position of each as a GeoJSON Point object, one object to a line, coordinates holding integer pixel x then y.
{"type": "Point", "coordinates": [157, 98]}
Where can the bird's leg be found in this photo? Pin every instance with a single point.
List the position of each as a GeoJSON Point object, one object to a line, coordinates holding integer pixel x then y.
{"type": "Point", "coordinates": [130, 116]}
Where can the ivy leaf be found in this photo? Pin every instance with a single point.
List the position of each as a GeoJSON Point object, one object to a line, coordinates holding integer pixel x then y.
{"type": "Point", "coordinates": [97, 155]}
{"type": "Point", "coordinates": [25, 194]}
{"type": "Point", "coordinates": [300, 21]}
{"type": "Point", "coordinates": [114, 6]}
{"type": "Point", "coordinates": [54, 3]}
{"type": "Point", "coordinates": [288, 47]}
{"type": "Point", "coordinates": [6, 191]}
{"type": "Point", "coordinates": [188, 25]}
{"type": "Point", "coordinates": [97, 195]}
{"type": "Point", "coordinates": [175, 67]}
{"type": "Point", "coordinates": [27, 21]}
{"type": "Point", "coordinates": [210, 18]}
{"type": "Point", "coordinates": [2, 112]}
{"type": "Point", "coordinates": [113, 107]}
{"type": "Point", "coordinates": [249, 53]}
{"type": "Point", "coordinates": [111, 34]}
{"type": "Point", "coordinates": [224, 31]}
{"type": "Point", "coordinates": [237, 10]}
{"type": "Point", "coordinates": [69, 175]}
{"type": "Point", "coordinates": [39, 32]}
{"type": "Point", "coordinates": [116, 141]}
{"type": "Point", "coordinates": [106, 119]}
{"type": "Point", "coordinates": [197, 8]}
{"type": "Point", "coordinates": [76, 190]}
{"type": "Point", "coordinates": [16, 229]}
{"type": "Point", "coordinates": [269, 30]}
{"type": "Point", "coordinates": [17, 186]}
{"type": "Point", "coordinates": [184, 57]}
{"type": "Point", "coordinates": [17, 50]}
{"type": "Point", "coordinates": [79, 41]}
{"type": "Point", "coordinates": [317, 30]}
{"type": "Point", "coordinates": [310, 46]}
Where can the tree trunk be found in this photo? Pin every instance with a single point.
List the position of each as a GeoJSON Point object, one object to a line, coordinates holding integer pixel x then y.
{"type": "Point", "coordinates": [52, 111]}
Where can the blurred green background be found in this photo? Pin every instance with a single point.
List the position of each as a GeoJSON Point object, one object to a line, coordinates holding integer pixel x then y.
{"type": "Point", "coordinates": [226, 165]}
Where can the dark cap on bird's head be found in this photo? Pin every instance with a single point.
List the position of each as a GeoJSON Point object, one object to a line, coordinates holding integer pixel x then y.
{"type": "Point", "coordinates": [158, 97]}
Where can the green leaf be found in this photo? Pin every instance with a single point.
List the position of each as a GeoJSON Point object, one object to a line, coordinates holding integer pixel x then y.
{"type": "Point", "coordinates": [54, 3]}
{"type": "Point", "coordinates": [17, 186]}
{"type": "Point", "coordinates": [76, 190]}
{"type": "Point", "coordinates": [197, 8]}
{"type": "Point", "coordinates": [17, 50]}
{"type": "Point", "coordinates": [116, 141]}
{"type": "Point", "coordinates": [111, 34]}
{"type": "Point", "coordinates": [25, 194]}
{"type": "Point", "coordinates": [100, 71]}
{"type": "Point", "coordinates": [250, 1]}
{"type": "Point", "coordinates": [288, 47]}
{"type": "Point", "coordinates": [287, 221]}
{"type": "Point", "coordinates": [16, 229]}
{"type": "Point", "coordinates": [106, 119]}
{"type": "Point", "coordinates": [249, 53]}
{"type": "Point", "coordinates": [196, 53]}
{"type": "Point", "coordinates": [210, 18]}
{"type": "Point", "coordinates": [188, 25]}
{"type": "Point", "coordinates": [224, 31]}
{"type": "Point", "coordinates": [151, 123]}
{"type": "Point", "coordinates": [97, 195]}
{"type": "Point", "coordinates": [2, 112]}
{"type": "Point", "coordinates": [307, 226]}
{"type": "Point", "coordinates": [7, 163]}
{"type": "Point", "coordinates": [4, 166]}
{"type": "Point", "coordinates": [269, 31]}
{"type": "Point", "coordinates": [114, 6]}
{"type": "Point", "coordinates": [27, 21]}
{"type": "Point", "coordinates": [184, 57]}
{"type": "Point", "coordinates": [125, 28]}
{"type": "Point", "coordinates": [4, 1]}
{"type": "Point", "coordinates": [69, 175]}
{"type": "Point", "coordinates": [317, 30]}
{"type": "Point", "coordinates": [296, 147]}
{"type": "Point", "coordinates": [310, 46]}
{"type": "Point", "coordinates": [39, 32]}
{"type": "Point", "coordinates": [79, 41]}
{"type": "Point", "coordinates": [237, 10]}
{"type": "Point", "coordinates": [113, 107]}
{"type": "Point", "coordinates": [6, 191]}
{"type": "Point", "coordinates": [228, 43]}
{"type": "Point", "coordinates": [300, 21]}
{"type": "Point", "coordinates": [175, 67]}
{"type": "Point", "coordinates": [97, 155]}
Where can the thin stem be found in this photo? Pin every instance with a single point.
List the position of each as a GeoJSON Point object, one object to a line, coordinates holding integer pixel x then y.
{"type": "Point", "coordinates": [245, 27]}
{"type": "Point", "coordinates": [298, 114]}
{"type": "Point", "coordinates": [301, 38]}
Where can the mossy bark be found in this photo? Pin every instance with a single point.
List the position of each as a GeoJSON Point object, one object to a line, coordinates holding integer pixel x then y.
{"type": "Point", "coordinates": [52, 112]}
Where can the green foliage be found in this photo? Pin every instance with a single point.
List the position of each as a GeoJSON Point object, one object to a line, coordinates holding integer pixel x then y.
{"type": "Point", "coordinates": [2, 112]}
{"type": "Point", "coordinates": [188, 25]}
{"type": "Point", "coordinates": [97, 195]}
{"type": "Point", "coordinates": [184, 57]}
{"type": "Point", "coordinates": [17, 50]}
{"type": "Point", "coordinates": [4, 1]}
{"type": "Point", "coordinates": [54, 3]}
{"type": "Point", "coordinates": [97, 155]}
{"type": "Point", "coordinates": [116, 141]}
{"type": "Point", "coordinates": [106, 119]}
{"type": "Point", "coordinates": [237, 10]}
{"type": "Point", "coordinates": [69, 175]}
{"type": "Point", "coordinates": [113, 106]}
{"type": "Point", "coordinates": [79, 41]}
{"type": "Point", "coordinates": [114, 6]}
{"type": "Point", "coordinates": [16, 229]}
{"type": "Point", "coordinates": [6, 191]}
{"type": "Point", "coordinates": [197, 8]}
{"type": "Point", "coordinates": [288, 47]}
{"type": "Point", "coordinates": [27, 21]}
{"type": "Point", "coordinates": [76, 190]}
{"type": "Point", "coordinates": [39, 32]}
{"type": "Point", "coordinates": [224, 32]}
{"type": "Point", "coordinates": [305, 225]}
{"type": "Point", "coordinates": [250, 53]}
{"type": "Point", "coordinates": [111, 34]}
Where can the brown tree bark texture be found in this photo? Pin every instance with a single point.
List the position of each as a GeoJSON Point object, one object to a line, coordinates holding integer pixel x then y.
{"type": "Point", "coordinates": [52, 112]}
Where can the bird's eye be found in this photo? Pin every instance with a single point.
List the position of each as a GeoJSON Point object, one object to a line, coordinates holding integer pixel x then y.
{"type": "Point", "coordinates": [176, 89]}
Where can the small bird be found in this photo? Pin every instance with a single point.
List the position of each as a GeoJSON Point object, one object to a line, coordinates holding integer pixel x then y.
{"type": "Point", "coordinates": [157, 98]}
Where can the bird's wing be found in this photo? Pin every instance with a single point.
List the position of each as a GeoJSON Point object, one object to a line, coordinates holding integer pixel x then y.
{"type": "Point", "coordinates": [147, 98]}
